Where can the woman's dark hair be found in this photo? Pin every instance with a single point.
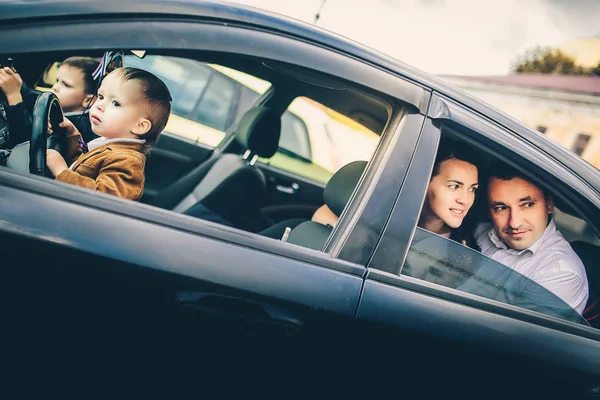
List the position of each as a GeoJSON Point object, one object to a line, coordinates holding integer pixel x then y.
{"type": "Point", "coordinates": [450, 149]}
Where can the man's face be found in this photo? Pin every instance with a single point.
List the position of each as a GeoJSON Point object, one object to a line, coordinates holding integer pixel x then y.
{"type": "Point", "coordinates": [519, 211]}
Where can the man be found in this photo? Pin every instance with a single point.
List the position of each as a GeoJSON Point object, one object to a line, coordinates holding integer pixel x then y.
{"type": "Point", "coordinates": [523, 236]}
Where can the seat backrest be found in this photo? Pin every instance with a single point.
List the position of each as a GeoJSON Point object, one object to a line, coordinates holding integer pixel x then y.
{"type": "Point", "coordinates": [590, 257]}
{"type": "Point", "coordinates": [232, 189]}
{"type": "Point", "coordinates": [228, 184]}
{"type": "Point", "coordinates": [337, 194]}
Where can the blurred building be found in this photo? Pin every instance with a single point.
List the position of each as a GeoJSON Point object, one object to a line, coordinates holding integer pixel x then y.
{"type": "Point", "coordinates": [565, 108]}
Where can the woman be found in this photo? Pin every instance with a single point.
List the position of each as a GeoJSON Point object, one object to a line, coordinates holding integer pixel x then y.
{"type": "Point", "coordinates": [450, 195]}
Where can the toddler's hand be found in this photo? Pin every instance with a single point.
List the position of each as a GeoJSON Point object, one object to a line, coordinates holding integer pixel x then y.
{"type": "Point", "coordinates": [10, 84]}
{"type": "Point", "coordinates": [69, 127]}
{"type": "Point", "coordinates": [55, 162]}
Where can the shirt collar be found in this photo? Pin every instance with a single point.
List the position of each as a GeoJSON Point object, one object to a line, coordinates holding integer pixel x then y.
{"type": "Point", "coordinates": [94, 144]}
{"type": "Point", "coordinates": [550, 229]}
{"type": "Point", "coordinates": [496, 239]}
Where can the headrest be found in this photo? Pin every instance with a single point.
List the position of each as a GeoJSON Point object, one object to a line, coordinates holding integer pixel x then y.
{"type": "Point", "coordinates": [340, 186]}
{"type": "Point", "coordinates": [259, 131]}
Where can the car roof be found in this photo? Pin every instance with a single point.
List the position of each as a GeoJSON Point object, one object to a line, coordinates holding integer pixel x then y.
{"type": "Point", "coordinates": [241, 15]}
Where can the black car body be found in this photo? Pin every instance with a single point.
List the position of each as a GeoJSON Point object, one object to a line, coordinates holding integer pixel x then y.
{"type": "Point", "coordinates": [117, 286]}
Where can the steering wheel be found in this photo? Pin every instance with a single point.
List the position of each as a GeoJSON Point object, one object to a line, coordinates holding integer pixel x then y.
{"type": "Point", "coordinates": [46, 108]}
{"type": "Point", "coordinates": [4, 128]}
{"type": "Point", "coordinates": [31, 156]}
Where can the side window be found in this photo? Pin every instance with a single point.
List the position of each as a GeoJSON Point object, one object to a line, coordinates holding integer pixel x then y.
{"type": "Point", "coordinates": [207, 98]}
{"type": "Point", "coordinates": [445, 262]}
{"type": "Point", "coordinates": [48, 78]}
{"type": "Point", "coordinates": [294, 136]}
{"type": "Point", "coordinates": [574, 228]}
{"type": "Point", "coordinates": [316, 141]}
{"type": "Point", "coordinates": [186, 94]}
{"type": "Point", "coordinates": [216, 103]}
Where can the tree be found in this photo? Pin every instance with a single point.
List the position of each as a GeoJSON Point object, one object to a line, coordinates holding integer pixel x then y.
{"type": "Point", "coordinates": [546, 60]}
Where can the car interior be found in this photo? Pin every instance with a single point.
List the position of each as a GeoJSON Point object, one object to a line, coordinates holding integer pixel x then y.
{"type": "Point", "coordinates": [234, 184]}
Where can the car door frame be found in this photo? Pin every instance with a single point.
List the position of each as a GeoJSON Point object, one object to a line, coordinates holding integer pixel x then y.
{"type": "Point", "coordinates": [338, 281]}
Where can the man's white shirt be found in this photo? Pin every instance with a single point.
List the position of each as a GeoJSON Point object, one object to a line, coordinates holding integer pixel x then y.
{"type": "Point", "coordinates": [549, 262]}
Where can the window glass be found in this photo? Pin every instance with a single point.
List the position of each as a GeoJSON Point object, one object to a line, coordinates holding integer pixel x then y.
{"type": "Point", "coordinates": [48, 78]}
{"type": "Point", "coordinates": [316, 141]}
{"type": "Point", "coordinates": [207, 98]}
{"type": "Point", "coordinates": [214, 108]}
{"type": "Point", "coordinates": [574, 228]}
{"type": "Point", "coordinates": [445, 262]}
{"type": "Point", "coordinates": [294, 135]}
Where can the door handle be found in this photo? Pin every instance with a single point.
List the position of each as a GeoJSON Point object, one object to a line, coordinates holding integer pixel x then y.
{"type": "Point", "coordinates": [292, 189]}
{"type": "Point", "coordinates": [248, 312]}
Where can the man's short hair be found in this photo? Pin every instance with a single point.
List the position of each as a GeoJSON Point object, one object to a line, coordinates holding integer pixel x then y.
{"type": "Point", "coordinates": [156, 94]}
{"type": "Point", "coordinates": [505, 172]}
{"type": "Point", "coordinates": [86, 65]}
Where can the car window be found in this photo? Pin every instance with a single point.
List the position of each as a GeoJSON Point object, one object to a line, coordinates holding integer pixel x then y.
{"type": "Point", "coordinates": [574, 228]}
{"type": "Point", "coordinates": [48, 78]}
{"type": "Point", "coordinates": [207, 98]}
{"type": "Point", "coordinates": [442, 261]}
{"type": "Point", "coordinates": [294, 136]}
{"type": "Point", "coordinates": [214, 107]}
{"type": "Point", "coordinates": [316, 141]}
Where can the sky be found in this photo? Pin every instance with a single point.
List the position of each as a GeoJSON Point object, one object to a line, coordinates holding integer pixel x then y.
{"type": "Point", "coordinates": [450, 37]}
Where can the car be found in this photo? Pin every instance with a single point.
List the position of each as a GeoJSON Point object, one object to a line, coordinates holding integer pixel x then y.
{"type": "Point", "coordinates": [98, 286]}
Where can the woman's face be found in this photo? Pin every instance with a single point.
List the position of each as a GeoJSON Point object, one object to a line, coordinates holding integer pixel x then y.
{"type": "Point", "coordinates": [451, 192]}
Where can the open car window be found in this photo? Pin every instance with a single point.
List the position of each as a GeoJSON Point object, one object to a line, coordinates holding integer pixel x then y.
{"type": "Point", "coordinates": [316, 141]}
{"type": "Point", "coordinates": [439, 260]}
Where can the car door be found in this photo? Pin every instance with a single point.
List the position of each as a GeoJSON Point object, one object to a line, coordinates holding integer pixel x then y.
{"type": "Point", "coordinates": [458, 341]}
{"type": "Point", "coordinates": [118, 286]}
